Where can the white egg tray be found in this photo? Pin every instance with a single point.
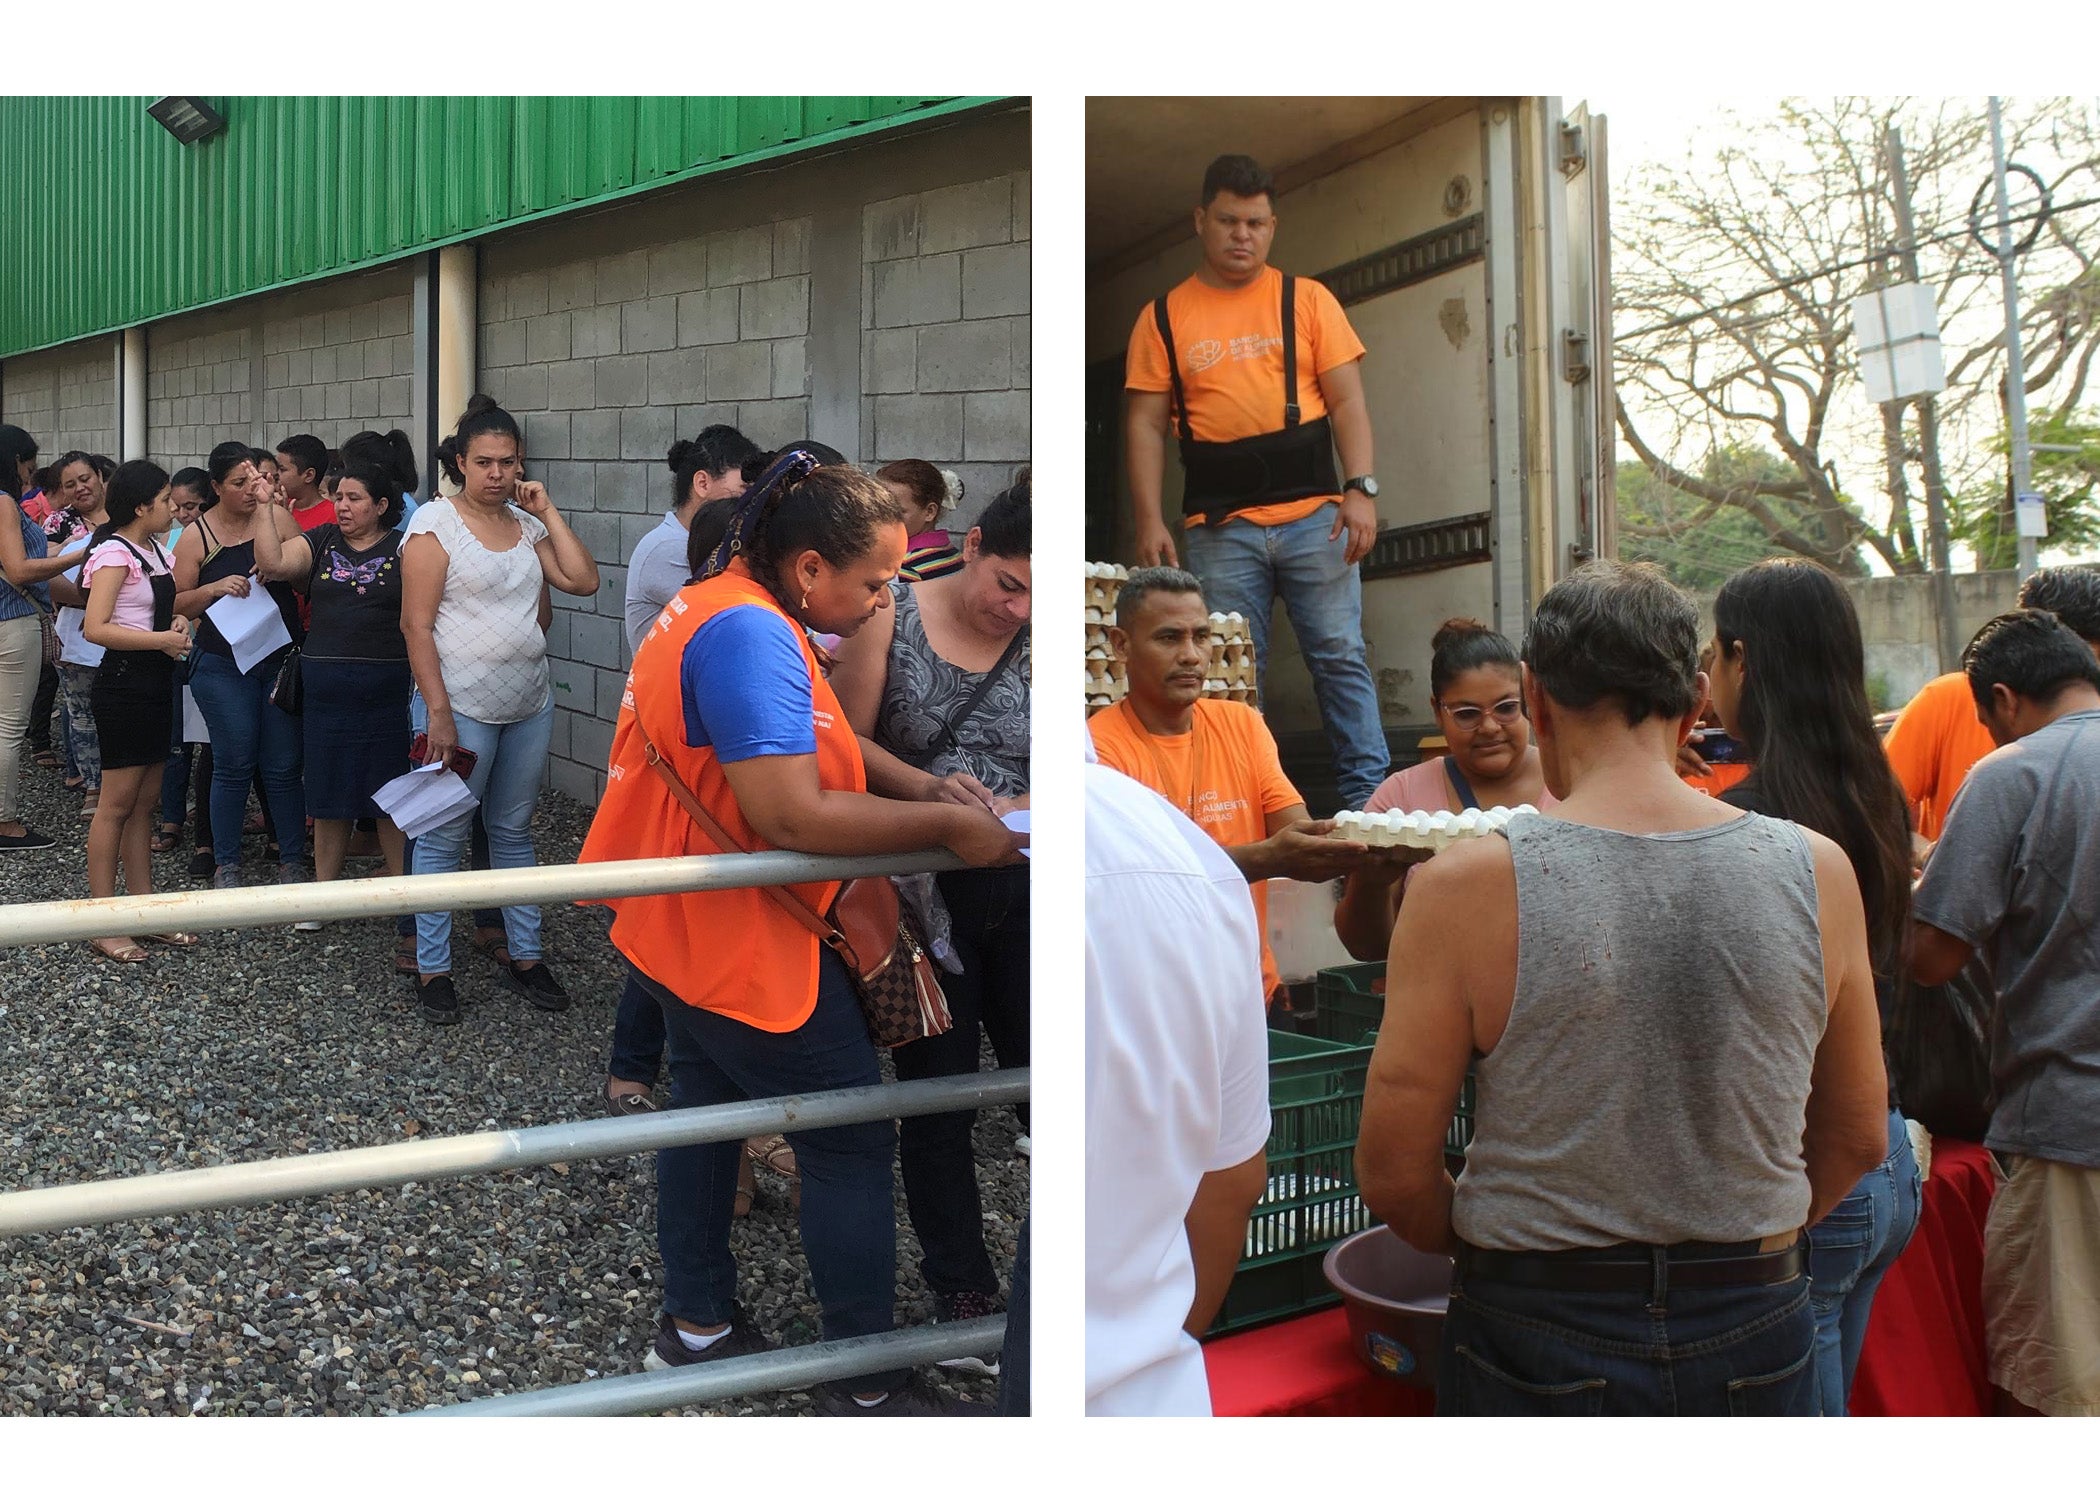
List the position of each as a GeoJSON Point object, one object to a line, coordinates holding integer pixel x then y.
{"type": "Point", "coordinates": [1425, 830]}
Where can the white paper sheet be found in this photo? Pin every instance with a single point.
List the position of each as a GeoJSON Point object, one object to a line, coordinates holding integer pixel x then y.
{"type": "Point", "coordinates": [1017, 820]}
{"type": "Point", "coordinates": [251, 624]}
{"type": "Point", "coordinates": [426, 798]}
{"type": "Point", "coordinates": [194, 730]}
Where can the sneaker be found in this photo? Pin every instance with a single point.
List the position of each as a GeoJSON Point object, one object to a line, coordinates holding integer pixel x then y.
{"type": "Point", "coordinates": [1023, 1146]}
{"type": "Point", "coordinates": [536, 984]}
{"type": "Point", "coordinates": [668, 1351]}
{"type": "Point", "coordinates": [28, 838]}
{"type": "Point", "coordinates": [226, 878]}
{"type": "Point", "coordinates": [915, 1398]}
{"type": "Point", "coordinates": [961, 1307]}
{"type": "Point", "coordinates": [296, 875]}
{"type": "Point", "coordinates": [202, 864]}
{"type": "Point", "coordinates": [439, 1000]}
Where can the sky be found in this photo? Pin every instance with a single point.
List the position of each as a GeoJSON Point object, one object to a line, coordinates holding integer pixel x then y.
{"type": "Point", "coordinates": [1649, 129]}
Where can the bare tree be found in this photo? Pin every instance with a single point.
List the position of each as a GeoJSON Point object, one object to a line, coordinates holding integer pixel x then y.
{"type": "Point", "coordinates": [1735, 271]}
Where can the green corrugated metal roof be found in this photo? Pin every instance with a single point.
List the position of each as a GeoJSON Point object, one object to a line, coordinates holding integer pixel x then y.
{"type": "Point", "coordinates": [128, 225]}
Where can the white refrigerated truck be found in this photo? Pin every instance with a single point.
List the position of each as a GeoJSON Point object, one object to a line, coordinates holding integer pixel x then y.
{"type": "Point", "coordinates": [1467, 239]}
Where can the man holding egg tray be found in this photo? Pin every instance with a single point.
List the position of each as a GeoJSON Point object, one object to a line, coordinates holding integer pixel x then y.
{"type": "Point", "coordinates": [1213, 760]}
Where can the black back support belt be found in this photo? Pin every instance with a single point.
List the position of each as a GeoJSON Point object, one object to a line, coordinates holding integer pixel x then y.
{"type": "Point", "coordinates": [1295, 462]}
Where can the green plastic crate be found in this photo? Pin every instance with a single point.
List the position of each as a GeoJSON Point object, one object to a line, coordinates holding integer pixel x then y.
{"type": "Point", "coordinates": [1316, 1101]}
{"type": "Point", "coordinates": [1346, 1006]}
{"type": "Point", "coordinates": [1349, 1009]}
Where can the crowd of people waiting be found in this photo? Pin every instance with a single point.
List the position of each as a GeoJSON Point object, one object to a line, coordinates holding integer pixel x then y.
{"type": "Point", "coordinates": [817, 666]}
{"type": "Point", "coordinates": [1690, 1166]}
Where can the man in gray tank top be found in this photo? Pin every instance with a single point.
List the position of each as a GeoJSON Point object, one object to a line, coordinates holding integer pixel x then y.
{"type": "Point", "coordinates": [2016, 874]}
{"type": "Point", "coordinates": [1678, 1054]}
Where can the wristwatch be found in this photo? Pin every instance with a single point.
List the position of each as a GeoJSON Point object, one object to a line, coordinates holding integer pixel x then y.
{"type": "Point", "coordinates": [1362, 482]}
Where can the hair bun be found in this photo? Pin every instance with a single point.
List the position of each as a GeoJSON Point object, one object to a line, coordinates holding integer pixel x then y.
{"type": "Point", "coordinates": [1454, 630]}
{"type": "Point", "coordinates": [680, 452]}
{"type": "Point", "coordinates": [479, 403]}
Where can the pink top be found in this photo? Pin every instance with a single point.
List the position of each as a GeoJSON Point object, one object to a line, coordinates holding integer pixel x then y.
{"type": "Point", "coordinates": [134, 608]}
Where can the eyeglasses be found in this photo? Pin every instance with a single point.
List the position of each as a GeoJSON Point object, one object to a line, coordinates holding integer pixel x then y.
{"type": "Point", "coordinates": [1468, 718]}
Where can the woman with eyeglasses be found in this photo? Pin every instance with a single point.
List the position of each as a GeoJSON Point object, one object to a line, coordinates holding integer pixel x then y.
{"type": "Point", "coordinates": [1477, 693]}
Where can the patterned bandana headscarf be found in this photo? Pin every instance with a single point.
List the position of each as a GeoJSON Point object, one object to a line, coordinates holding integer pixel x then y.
{"type": "Point", "coordinates": [790, 468]}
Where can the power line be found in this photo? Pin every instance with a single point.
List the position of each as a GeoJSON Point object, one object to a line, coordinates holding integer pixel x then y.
{"type": "Point", "coordinates": [1825, 270]}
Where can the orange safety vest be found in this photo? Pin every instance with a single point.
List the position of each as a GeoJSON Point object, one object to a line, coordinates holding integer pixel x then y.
{"type": "Point", "coordinates": [733, 952]}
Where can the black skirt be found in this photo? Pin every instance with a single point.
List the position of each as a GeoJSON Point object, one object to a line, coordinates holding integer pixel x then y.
{"type": "Point", "coordinates": [357, 733]}
{"type": "Point", "coordinates": [134, 702]}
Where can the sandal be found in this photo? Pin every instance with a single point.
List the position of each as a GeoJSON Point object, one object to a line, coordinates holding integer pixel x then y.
{"type": "Point", "coordinates": [405, 956]}
{"type": "Point", "coordinates": [48, 759]}
{"type": "Point", "coordinates": [774, 1154]}
{"type": "Point", "coordinates": [168, 836]}
{"type": "Point", "coordinates": [131, 955]}
{"type": "Point", "coordinates": [746, 1188]}
{"type": "Point", "coordinates": [87, 812]}
{"type": "Point", "coordinates": [173, 939]}
{"type": "Point", "coordinates": [491, 944]}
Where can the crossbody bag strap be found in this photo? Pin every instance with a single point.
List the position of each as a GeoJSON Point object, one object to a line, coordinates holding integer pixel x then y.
{"type": "Point", "coordinates": [1181, 400]}
{"type": "Point", "coordinates": [1290, 351]}
{"type": "Point", "coordinates": [793, 904]}
{"type": "Point", "coordinates": [948, 739]}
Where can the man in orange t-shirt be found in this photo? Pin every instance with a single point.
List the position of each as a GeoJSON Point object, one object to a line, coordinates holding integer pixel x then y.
{"type": "Point", "coordinates": [1937, 737]}
{"type": "Point", "coordinates": [1259, 376]}
{"type": "Point", "coordinates": [1215, 761]}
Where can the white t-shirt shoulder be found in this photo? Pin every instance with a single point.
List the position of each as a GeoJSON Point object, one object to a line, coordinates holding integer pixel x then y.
{"type": "Point", "coordinates": [1177, 1082]}
{"type": "Point", "coordinates": [442, 519]}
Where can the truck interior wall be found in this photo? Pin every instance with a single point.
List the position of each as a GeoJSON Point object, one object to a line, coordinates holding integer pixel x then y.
{"type": "Point", "coordinates": [1425, 372]}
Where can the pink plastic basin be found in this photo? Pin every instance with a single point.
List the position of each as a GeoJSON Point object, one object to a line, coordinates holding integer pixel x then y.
{"type": "Point", "coordinates": [1396, 1299]}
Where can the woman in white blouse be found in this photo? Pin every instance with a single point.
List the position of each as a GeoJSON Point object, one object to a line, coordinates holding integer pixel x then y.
{"type": "Point", "coordinates": [473, 568]}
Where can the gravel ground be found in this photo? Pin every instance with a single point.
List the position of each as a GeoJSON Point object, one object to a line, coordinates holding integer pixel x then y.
{"type": "Point", "coordinates": [268, 1043]}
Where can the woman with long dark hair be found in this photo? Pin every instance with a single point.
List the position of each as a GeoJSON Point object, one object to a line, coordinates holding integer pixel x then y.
{"type": "Point", "coordinates": [728, 700]}
{"type": "Point", "coordinates": [131, 616]}
{"type": "Point", "coordinates": [214, 560]}
{"type": "Point", "coordinates": [26, 571]}
{"type": "Point", "coordinates": [938, 688]}
{"type": "Point", "coordinates": [1789, 681]}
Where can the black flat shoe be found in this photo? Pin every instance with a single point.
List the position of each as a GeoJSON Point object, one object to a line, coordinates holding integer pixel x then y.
{"type": "Point", "coordinates": [535, 984]}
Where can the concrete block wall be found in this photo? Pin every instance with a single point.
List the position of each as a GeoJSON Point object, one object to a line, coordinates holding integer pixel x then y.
{"type": "Point", "coordinates": [337, 358]}
{"type": "Point", "coordinates": [607, 357]}
{"type": "Point", "coordinates": [200, 383]}
{"type": "Point", "coordinates": [64, 398]}
{"type": "Point", "coordinates": [876, 301]}
{"type": "Point", "coordinates": [945, 350]}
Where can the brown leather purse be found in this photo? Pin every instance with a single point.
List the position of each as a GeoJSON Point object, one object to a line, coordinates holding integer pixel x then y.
{"type": "Point", "coordinates": [899, 989]}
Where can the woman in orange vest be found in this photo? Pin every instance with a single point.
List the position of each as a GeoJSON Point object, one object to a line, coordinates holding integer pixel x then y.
{"type": "Point", "coordinates": [728, 692]}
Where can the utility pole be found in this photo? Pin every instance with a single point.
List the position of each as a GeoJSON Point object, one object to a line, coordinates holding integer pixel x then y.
{"type": "Point", "coordinates": [2015, 369]}
{"type": "Point", "coordinates": [1928, 435]}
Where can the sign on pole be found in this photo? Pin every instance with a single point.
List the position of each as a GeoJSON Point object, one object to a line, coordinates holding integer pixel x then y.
{"type": "Point", "coordinates": [2030, 516]}
{"type": "Point", "coordinates": [1898, 328]}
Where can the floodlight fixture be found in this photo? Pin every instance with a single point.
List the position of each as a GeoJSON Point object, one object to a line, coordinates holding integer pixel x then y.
{"type": "Point", "coordinates": [187, 118]}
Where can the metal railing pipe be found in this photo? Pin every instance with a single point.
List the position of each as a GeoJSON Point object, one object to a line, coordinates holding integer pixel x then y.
{"type": "Point", "coordinates": [81, 1204]}
{"type": "Point", "coordinates": [393, 895]}
{"type": "Point", "coordinates": [747, 1375]}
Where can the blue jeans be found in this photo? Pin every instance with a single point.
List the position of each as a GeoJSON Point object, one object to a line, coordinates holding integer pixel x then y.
{"type": "Point", "coordinates": [849, 1220]}
{"type": "Point", "coordinates": [1849, 1250]}
{"type": "Point", "coordinates": [509, 761]}
{"type": "Point", "coordinates": [477, 859]}
{"type": "Point", "coordinates": [1244, 567]}
{"type": "Point", "coordinates": [1514, 1351]}
{"type": "Point", "coordinates": [638, 1036]}
{"type": "Point", "coordinates": [249, 733]}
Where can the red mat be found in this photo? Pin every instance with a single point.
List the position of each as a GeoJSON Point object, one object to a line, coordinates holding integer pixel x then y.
{"type": "Point", "coordinates": [1923, 1355]}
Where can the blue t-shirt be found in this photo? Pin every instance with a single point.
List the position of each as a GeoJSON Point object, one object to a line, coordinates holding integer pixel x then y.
{"type": "Point", "coordinates": [745, 687]}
